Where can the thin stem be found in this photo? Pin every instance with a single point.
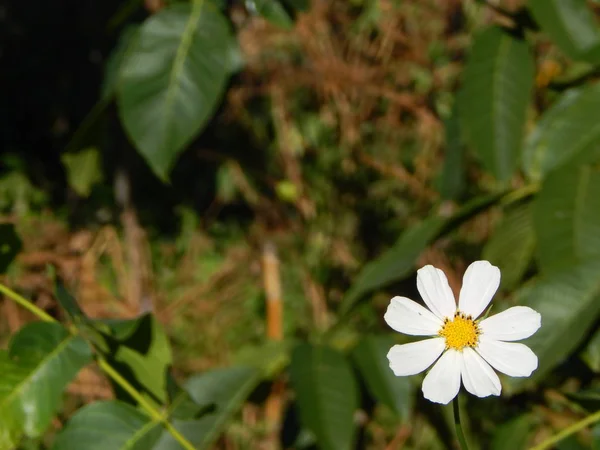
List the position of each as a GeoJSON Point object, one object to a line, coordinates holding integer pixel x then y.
{"type": "Point", "coordinates": [568, 431]}
{"type": "Point", "coordinates": [22, 301]}
{"type": "Point", "coordinates": [152, 412]}
{"type": "Point", "coordinates": [457, 424]}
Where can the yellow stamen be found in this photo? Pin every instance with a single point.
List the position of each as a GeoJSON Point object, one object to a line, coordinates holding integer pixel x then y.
{"type": "Point", "coordinates": [460, 332]}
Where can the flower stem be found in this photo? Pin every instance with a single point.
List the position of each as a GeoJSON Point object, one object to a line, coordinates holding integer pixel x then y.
{"type": "Point", "coordinates": [22, 301]}
{"type": "Point", "coordinates": [457, 424]}
{"type": "Point", "coordinates": [548, 443]}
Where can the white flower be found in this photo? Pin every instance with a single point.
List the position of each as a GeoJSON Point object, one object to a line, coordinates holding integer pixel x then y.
{"type": "Point", "coordinates": [468, 347]}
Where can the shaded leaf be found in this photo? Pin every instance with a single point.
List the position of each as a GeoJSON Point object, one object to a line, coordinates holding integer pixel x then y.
{"type": "Point", "coordinates": [591, 354]}
{"type": "Point", "coordinates": [41, 361]}
{"type": "Point", "coordinates": [567, 132]}
{"type": "Point", "coordinates": [588, 398]}
{"type": "Point", "coordinates": [494, 97]}
{"type": "Point", "coordinates": [513, 434]}
{"type": "Point", "coordinates": [566, 225]}
{"type": "Point", "coordinates": [326, 394]}
{"type": "Point", "coordinates": [452, 182]}
{"type": "Point", "coordinates": [395, 392]}
{"type": "Point", "coordinates": [398, 261]}
{"type": "Point", "coordinates": [512, 245]}
{"type": "Point", "coordinates": [115, 60]}
{"type": "Point", "coordinates": [172, 79]}
{"type": "Point", "coordinates": [571, 25]}
{"type": "Point", "coordinates": [569, 303]}
{"type": "Point", "coordinates": [10, 245]}
{"type": "Point", "coordinates": [220, 393]}
{"type": "Point", "coordinates": [108, 425]}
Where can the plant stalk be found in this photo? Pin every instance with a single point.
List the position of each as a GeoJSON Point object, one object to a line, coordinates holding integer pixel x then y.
{"type": "Point", "coordinates": [457, 424]}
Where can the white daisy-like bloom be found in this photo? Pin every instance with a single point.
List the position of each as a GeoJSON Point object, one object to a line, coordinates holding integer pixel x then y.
{"type": "Point", "coordinates": [467, 348]}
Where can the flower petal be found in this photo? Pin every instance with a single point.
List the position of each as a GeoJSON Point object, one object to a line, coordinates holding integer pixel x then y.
{"type": "Point", "coordinates": [442, 382]}
{"type": "Point", "coordinates": [435, 290]}
{"type": "Point", "coordinates": [480, 283]}
{"type": "Point", "coordinates": [515, 360]}
{"type": "Point", "coordinates": [514, 324]}
{"type": "Point", "coordinates": [477, 375]}
{"type": "Point", "coordinates": [410, 359]}
{"type": "Point", "coordinates": [408, 317]}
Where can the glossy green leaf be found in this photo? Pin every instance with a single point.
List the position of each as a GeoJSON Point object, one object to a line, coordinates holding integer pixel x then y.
{"type": "Point", "coordinates": [41, 361]}
{"type": "Point", "coordinates": [567, 132]}
{"type": "Point", "coordinates": [569, 303]}
{"type": "Point", "coordinates": [512, 245]}
{"type": "Point", "coordinates": [273, 11]}
{"type": "Point", "coordinates": [494, 98]}
{"type": "Point", "coordinates": [591, 354]}
{"type": "Point", "coordinates": [326, 395]}
{"type": "Point", "coordinates": [10, 245]}
{"type": "Point", "coordinates": [108, 425]}
{"type": "Point", "coordinates": [140, 349]}
{"type": "Point", "coordinates": [567, 226]}
{"type": "Point", "coordinates": [395, 392]}
{"type": "Point", "coordinates": [220, 393]}
{"type": "Point", "coordinates": [513, 434]}
{"type": "Point", "coordinates": [571, 25]}
{"type": "Point", "coordinates": [398, 262]}
{"type": "Point", "coordinates": [172, 79]}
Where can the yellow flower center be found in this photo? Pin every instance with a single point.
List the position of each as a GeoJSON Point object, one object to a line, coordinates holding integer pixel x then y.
{"type": "Point", "coordinates": [460, 332]}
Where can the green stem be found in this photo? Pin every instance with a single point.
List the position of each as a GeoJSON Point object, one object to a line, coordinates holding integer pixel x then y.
{"type": "Point", "coordinates": [548, 443]}
{"type": "Point", "coordinates": [109, 370]}
{"type": "Point", "coordinates": [22, 301]}
{"type": "Point", "coordinates": [457, 424]}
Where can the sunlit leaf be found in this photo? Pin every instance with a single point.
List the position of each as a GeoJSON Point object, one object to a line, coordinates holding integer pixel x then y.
{"type": "Point", "coordinates": [571, 25]}
{"type": "Point", "coordinates": [83, 169]}
{"type": "Point", "coordinates": [512, 245]}
{"type": "Point", "coordinates": [108, 425]}
{"type": "Point", "coordinates": [395, 392]}
{"type": "Point", "coordinates": [568, 132]}
{"type": "Point", "coordinates": [566, 223]}
{"type": "Point", "coordinates": [569, 303]}
{"type": "Point", "coordinates": [41, 361]}
{"type": "Point", "coordinates": [326, 394]}
{"type": "Point", "coordinates": [494, 98]}
{"type": "Point", "coordinates": [172, 79]}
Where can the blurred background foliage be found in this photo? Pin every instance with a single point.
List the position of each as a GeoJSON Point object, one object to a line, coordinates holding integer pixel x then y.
{"type": "Point", "coordinates": [213, 202]}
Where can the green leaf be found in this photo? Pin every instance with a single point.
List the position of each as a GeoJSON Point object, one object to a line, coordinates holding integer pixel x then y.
{"type": "Point", "coordinates": [567, 132]}
{"type": "Point", "coordinates": [112, 70]}
{"type": "Point", "coordinates": [398, 262]}
{"type": "Point", "coordinates": [41, 361]}
{"type": "Point", "coordinates": [326, 394]}
{"type": "Point", "coordinates": [494, 97]}
{"type": "Point", "coordinates": [513, 434]}
{"type": "Point", "coordinates": [451, 181]}
{"type": "Point", "coordinates": [566, 224]}
{"type": "Point", "coordinates": [108, 425]}
{"type": "Point", "coordinates": [588, 398]}
{"type": "Point", "coordinates": [10, 245]}
{"type": "Point", "coordinates": [395, 392]}
{"type": "Point", "coordinates": [512, 245]}
{"type": "Point", "coordinates": [569, 303]}
{"type": "Point", "coordinates": [221, 392]}
{"type": "Point", "coordinates": [273, 11]}
{"type": "Point", "coordinates": [83, 170]}
{"type": "Point", "coordinates": [172, 79]}
{"type": "Point", "coordinates": [140, 350]}
{"type": "Point", "coordinates": [571, 25]}
{"type": "Point", "coordinates": [591, 354]}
